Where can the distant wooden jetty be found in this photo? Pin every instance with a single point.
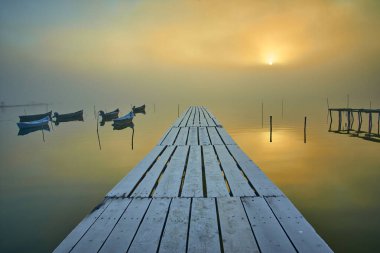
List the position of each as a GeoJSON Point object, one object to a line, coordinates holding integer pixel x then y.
{"type": "Point", "coordinates": [349, 113]}
{"type": "Point", "coordinates": [196, 191]}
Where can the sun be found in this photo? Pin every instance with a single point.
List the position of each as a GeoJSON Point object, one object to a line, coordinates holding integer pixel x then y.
{"type": "Point", "coordinates": [270, 60]}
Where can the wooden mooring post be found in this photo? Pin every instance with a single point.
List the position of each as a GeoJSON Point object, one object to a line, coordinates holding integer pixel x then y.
{"type": "Point", "coordinates": [270, 128]}
{"type": "Point", "coordinates": [304, 130]}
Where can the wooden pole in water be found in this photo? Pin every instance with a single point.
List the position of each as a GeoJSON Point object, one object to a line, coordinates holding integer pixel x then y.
{"type": "Point", "coordinates": [360, 119]}
{"type": "Point", "coordinates": [270, 124]}
{"type": "Point", "coordinates": [369, 124]}
{"type": "Point", "coordinates": [349, 121]}
{"type": "Point", "coordinates": [340, 121]}
{"type": "Point", "coordinates": [262, 114]}
{"type": "Point", "coordinates": [133, 134]}
{"type": "Point", "coordinates": [330, 119]}
{"type": "Point", "coordinates": [304, 131]}
{"type": "Point", "coordinates": [378, 123]}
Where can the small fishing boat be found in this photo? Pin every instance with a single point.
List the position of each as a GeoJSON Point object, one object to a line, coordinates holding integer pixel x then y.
{"type": "Point", "coordinates": [108, 116]}
{"type": "Point", "coordinates": [34, 124]}
{"type": "Point", "coordinates": [29, 118]}
{"type": "Point", "coordinates": [74, 116]}
{"type": "Point", "coordinates": [122, 120]}
{"type": "Point", "coordinates": [25, 131]}
{"type": "Point", "coordinates": [140, 109]}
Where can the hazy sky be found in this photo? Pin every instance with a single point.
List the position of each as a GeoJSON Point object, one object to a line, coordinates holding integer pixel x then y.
{"type": "Point", "coordinates": [190, 50]}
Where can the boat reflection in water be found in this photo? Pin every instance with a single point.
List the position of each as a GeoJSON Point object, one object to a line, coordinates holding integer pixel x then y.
{"type": "Point", "coordinates": [26, 131]}
{"type": "Point", "coordinates": [125, 125]}
{"type": "Point", "coordinates": [68, 117]}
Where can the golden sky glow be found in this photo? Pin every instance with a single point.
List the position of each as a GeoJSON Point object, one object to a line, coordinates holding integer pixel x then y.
{"type": "Point", "coordinates": [147, 45]}
{"type": "Point", "coordinates": [237, 33]}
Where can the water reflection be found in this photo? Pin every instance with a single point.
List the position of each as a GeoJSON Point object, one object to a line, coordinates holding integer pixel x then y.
{"type": "Point", "coordinates": [26, 131]}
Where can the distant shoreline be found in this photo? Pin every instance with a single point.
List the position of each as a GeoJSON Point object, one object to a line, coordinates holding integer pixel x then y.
{"type": "Point", "coordinates": [23, 105]}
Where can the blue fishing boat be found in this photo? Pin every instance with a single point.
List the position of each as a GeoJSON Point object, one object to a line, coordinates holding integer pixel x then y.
{"type": "Point", "coordinates": [122, 120]}
{"type": "Point", "coordinates": [34, 124]}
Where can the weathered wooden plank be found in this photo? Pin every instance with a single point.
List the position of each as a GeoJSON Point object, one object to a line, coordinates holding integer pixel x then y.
{"type": "Point", "coordinates": [128, 183]}
{"type": "Point", "coordinates": [225, 136]}
{"type": "Point", "coordinates": [300, 232]}
{"type": "Point", "coordinates": [71, 240]}
{"type": "Point", "coordinates": [146, 186]}
{"type": "Point", "coordinates": [235, 229]}
{"type": "Point", "coordinates": [170, 137]}
{"type": "Point", "coordinates": [269, 234]}
{"type": "Point", "coordinates": [187, 117]}
{"type": "Point", "coordinates": [202, 119]}
{"type": "Point", "coordinates": [182, 136]}
{"type": "Point", "coordinates": [170, 182]}
{"type": "Point", "coordinates": [124, 231]}
{"type": "Point", "coordinates": [196, 117]}
{"type": "Point", "coordinates": [193, 136]}
{"type": "Point", "coordinates": [238, 183]}
{"type": "Point", "coordinates": [210, 122]}
{"type": "Point", "coordinates": [203, 136]}
{"type": "Point", "coordinates": [190, 122]}
{"type": "Point", "coordinates": [181, 118]}
{"type": "Point", "coordinates": [174, 237]}
{"type": "Point", "coordinates": [203, 232]}
{"type": "Point", "coordinates": [214, 136]}
{"type": "Point", "coordinates": [193, 185]}
{"type": "Point", "coordinates": [263, 186]}
{"type": "Point", "coordinates": [215, 184]}
{"type": "Point", "coordinates": [149, 234]}
{"type": "Point", "coordinates": [99, 231]}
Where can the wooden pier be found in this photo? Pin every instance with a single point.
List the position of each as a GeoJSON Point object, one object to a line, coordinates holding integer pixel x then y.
{"type": "Point", "coordinates": [196, 191]}
{"type": "Point", "coordinates": [349, 113]}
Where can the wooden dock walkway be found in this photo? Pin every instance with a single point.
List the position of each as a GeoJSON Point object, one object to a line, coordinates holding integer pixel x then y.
{"type": "Point", "coordinates": [196, 191]}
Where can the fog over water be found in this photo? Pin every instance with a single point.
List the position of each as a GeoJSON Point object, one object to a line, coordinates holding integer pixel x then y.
{"type": "Point", "coordinates": [189, 51]}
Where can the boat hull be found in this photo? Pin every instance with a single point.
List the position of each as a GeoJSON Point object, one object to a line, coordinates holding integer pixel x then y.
{"type": "Point", "coordinates": [34, 124]}
{"type": "Point", "coordinates": [29, 118]}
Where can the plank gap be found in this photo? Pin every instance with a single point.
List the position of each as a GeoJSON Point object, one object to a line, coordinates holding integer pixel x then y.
{"type": "Point", "coordinates": [163, 227]}
{"type": "Point", "coordinates": [219, 227]}
{"type": "Point", "coordinates": [224, 175]}
{"type": "Point", "coordinates": [184, 173]}
{"type": "Point", "coordinates": [162, 172]}
{"type": "Point", "coordinates": [139, 181]}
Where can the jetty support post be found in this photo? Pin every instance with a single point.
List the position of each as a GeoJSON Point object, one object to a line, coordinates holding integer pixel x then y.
{"type": "Point", "coordinates": [360, 120]}
{"type": "Point", "coordinates": [348, 120]}
{"type": "Point", "coordinates": [340, 121]}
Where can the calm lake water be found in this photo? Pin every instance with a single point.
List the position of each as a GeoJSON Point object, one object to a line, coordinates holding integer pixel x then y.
{"type": "Point", "coordinates": [49, 181]}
